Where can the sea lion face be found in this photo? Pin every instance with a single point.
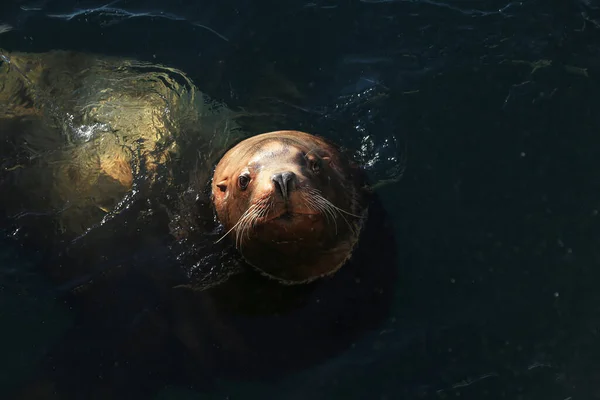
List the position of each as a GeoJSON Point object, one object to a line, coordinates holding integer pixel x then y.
{"type": "Point", "coordinates": [291, 202]}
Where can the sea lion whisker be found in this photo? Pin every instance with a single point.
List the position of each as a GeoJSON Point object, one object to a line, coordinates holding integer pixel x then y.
{"type": "Point", "coordinates": [239, 233]}
{"type": "Point", "coordinates": [324, 208]}
{"type": "Point", "coordinates": [332, 208]}
{"type": "Point", "coordinates": [352, 228]}
{"type": "Point", "coordinates": [266, 205]}
{"type": "Point", "coordinates": [250, 223]}
{"type": "Point", "coordinates": [318, 193]}
{"type": "Point", "coordinates": [312, 205]}
{"type": "Point", "coordinates": [265, 210]}
{"type": "Point", "coordinates": [263, 207]}
{"type": "Point", "coordinates": [325, 205]}
{"type": "Point", "coordinates": [236, 225]}
{"type": "Point", "coordinates": [227, 233]}
{"type": "Point", "coordinates": [307, 199]}
{"type": "Point", "coordinates": [330, 214]}
{"type": "Point", "coordinates": [249, 220]}
{"type": "Point", "coordinates": [253, 219]}
{"type": "Point", "coordinates": [340, 212]}
{"type": "Point", "coordinates": [343, 211]}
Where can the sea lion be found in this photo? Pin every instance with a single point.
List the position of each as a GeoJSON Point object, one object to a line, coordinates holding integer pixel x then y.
{"type": "Point", "coordinates": [293, 203]}
{"type": "Point", "coordinates": [108, 162]}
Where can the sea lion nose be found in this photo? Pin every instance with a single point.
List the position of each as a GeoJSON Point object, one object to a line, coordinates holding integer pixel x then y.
{"type": "Point", "coordinates": [283, 182]}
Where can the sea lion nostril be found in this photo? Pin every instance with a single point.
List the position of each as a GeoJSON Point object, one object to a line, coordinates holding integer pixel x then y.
{"type": "Point", "coordinates": [283, 182]}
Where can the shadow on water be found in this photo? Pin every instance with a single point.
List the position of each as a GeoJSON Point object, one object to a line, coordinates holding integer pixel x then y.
{"type": "Point", "coordinates": [495, 220]}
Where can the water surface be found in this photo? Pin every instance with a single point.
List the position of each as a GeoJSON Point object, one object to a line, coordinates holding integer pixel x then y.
{"type": "Point", "coordinates": [496, 214]}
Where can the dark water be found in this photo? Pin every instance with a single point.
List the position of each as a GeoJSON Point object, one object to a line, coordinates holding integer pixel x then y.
{"type": "Point", "coordinates": [496, 217]}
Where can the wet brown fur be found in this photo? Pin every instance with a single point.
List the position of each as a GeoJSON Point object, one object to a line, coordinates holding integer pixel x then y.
{"type": "Point", "coordinates": [321, 221]}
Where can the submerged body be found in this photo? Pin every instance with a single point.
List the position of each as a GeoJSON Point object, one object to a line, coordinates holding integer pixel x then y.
{"type": "Point", "coordinates": [80, 130]}
{"type": "Point", "coordinates": [117, 157]}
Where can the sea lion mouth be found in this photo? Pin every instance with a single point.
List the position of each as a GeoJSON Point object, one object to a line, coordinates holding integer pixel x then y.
{"type": "Point", "coordinates": [287, 216]}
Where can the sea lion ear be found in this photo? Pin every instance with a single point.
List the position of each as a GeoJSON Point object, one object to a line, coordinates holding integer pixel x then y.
{"type": "Point", "coordinates": [222, 185]}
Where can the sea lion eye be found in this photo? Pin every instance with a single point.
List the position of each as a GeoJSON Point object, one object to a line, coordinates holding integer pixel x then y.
{"type": "Point", "coordinates": [315, 165]}
{"type": "Point", "coordinates": [243, 181]}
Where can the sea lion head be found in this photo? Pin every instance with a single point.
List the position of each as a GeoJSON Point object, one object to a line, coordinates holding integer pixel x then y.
{"type": "Point", "coordinates": [292, 202]}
